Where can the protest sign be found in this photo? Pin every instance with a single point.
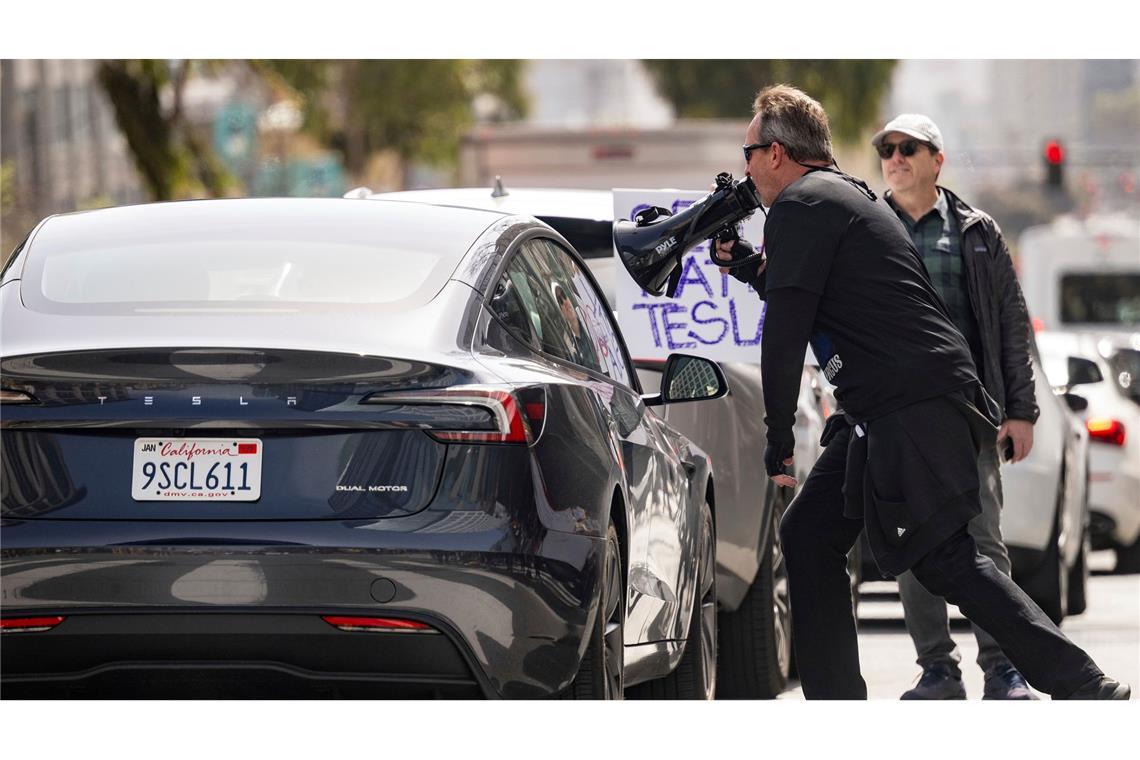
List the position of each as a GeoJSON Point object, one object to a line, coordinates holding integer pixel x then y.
{"type": "Point", "coordinates": [713, 315]}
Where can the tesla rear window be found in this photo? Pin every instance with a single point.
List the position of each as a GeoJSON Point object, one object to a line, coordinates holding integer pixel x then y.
{"type": "Point", "coordinates": [246, 255]}
{"type": "Point", "coordinates": [222, 273]}
{"type": "Point", "coordinates": [1100, 298]}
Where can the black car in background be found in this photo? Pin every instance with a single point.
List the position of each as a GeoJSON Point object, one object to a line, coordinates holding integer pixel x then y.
{"type": "Point", "coordinates": [302, 447]}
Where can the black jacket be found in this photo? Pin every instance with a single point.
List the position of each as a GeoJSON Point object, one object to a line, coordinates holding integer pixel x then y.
{"type": "Point", "coordinates": [921, 485]}
{"type": "Point", "coordinates": [999, 307]}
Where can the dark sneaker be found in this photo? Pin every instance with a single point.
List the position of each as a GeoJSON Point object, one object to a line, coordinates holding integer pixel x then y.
{"type": "Point", "coordinates": [937, 682]}
{"type": "Point", "coordinates": [1007, 683]}
{"type": "Point", "coordinates": [1102, 688]}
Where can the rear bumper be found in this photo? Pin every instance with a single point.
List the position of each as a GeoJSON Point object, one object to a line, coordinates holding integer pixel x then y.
{"type": "Point", "coordinates": [224, 655]}
{"type": "Point", "coordinates": [172, 609]}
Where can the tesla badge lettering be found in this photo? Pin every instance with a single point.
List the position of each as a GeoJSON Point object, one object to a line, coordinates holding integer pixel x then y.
{"type": "Point", "coordinates": [291, 401]}
{"type": "Point", "coordinates": [196, 400]}
{"type": "Point", "coordinates": [666, 245]}
{"type": "Point", "coordinates": [242, 401]}
{"type": "Point", "coordinates": [101, 399]}
{"type": "Point", "coordinates": [148, 400]}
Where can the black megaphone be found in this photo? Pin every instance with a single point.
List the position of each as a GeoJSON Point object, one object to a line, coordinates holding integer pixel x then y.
{"type": "Point", "coordinates": [652, 246]}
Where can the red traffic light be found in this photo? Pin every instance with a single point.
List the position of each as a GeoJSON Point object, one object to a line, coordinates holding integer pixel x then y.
{"type": "Point", "coordinates": [1054, 153]}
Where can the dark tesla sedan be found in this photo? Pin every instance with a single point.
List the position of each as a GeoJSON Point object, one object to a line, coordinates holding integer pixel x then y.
{"type": "Point", "coordinates": [294, 447]}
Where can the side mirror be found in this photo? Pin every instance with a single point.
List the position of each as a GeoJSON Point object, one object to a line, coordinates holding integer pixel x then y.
{"type": "Point", "coordinates": [689, 378]}
{"type": "Point", "coordinates": [1083, 372]}
{"type": "Point", "coordinates": [1075, 402]}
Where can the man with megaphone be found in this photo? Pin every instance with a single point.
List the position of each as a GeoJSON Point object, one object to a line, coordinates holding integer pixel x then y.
{"type": "Point", "coordinates": [841, 272]}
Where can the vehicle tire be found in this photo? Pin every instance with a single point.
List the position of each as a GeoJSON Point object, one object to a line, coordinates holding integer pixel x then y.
{"type": "Point", "coordinates": [601, 672]}
{"type": "Point", "coordinates": [756, 640]}
{"type": "Point", "coordinates": [696, 673]}
{"type": "Point", "coordinates": [1079, 577]}
{"type": "Point", "coordinates": [1048, 583]}
{"type": "Point", "coordinates": [1128, 558]}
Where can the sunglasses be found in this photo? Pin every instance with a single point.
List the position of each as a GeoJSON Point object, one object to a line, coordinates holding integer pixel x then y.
{"type": "Point", "coordinates": [754, 146]}
{"type": "Point", "coordinates": [907, 148]}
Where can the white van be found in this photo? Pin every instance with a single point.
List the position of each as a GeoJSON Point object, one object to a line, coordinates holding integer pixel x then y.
{"type": "Point", "coordinates": [1081, 280]}
{"type": "Point", "coordinates": [1082, 274]}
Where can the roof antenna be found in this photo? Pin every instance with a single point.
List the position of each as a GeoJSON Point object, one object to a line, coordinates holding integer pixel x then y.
{"type": "Point", "coordinates": [498, 191]}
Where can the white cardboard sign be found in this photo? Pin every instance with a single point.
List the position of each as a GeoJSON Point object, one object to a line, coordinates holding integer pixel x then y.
{"type": "Point", "coordinates": [713, 315]}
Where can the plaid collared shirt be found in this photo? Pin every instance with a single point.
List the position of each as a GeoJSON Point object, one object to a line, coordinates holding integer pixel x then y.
{"type": "Point", "coordinates": [939, 241]}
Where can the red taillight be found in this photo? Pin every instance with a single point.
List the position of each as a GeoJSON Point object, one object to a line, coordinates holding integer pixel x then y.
{"type": "Point", "coordinates": [382, 625]}
{"type": "Point", "coordinates": [29, 624]}
{"type": "Point", "coordinates": [511, 417]}
{"type": "Point", "coordinates": [1106, 431]}
{"type": "Point", "coordinates": [533, 401]}
{"type": "Point", "coordinates": [1038, 324]}
{"type": "Point", "coordinates": [512, 429]}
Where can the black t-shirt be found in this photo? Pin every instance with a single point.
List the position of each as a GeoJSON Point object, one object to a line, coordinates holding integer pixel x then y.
{"type": "Point", "coordinates": [880, 332]}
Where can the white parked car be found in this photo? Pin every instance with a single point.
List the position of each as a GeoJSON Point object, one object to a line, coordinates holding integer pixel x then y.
{"type": "Point", "coordinates": [1081, 279]}
{"type": "Point", "coordinates": [755, 653]}
{"type": "Point", "coordinates": [1113, 423]}
{"type": "Point", "coordinates": [1045, 503]}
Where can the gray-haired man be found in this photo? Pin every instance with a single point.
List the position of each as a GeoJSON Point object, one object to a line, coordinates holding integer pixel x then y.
{"type": "Point", "coordinates": [901, 461]}
{"type": "Point", "coordinates": [970, 268]}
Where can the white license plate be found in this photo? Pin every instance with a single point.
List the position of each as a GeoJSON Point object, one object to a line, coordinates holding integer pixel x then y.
{"type": "Point", "coordinates": [187, 469]}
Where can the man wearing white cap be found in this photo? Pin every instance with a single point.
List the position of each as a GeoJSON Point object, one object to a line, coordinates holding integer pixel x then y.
{"type": "Point", "coordinates": [970, 268]}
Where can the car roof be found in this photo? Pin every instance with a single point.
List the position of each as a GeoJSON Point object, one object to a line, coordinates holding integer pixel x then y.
{"type": "Point", "coordinates": [330, 220]}
{"type": "Point", "coordinates": [538, 202]}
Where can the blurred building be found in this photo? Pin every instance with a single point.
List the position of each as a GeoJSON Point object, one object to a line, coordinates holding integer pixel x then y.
{"type": "Point", "coordinates": [996, 116]}
{"type": "Point", "coordinates": [601, 124]}
{"type": "Point", "coordinates": [600, 115]}
{"type": "Point", "coordinates": [1069, 99]}
{"type": "Point", "coordinates": [593, 93]}
{"type": "Point", "coordinates": [59, 146]}
{"type": "Point", "coordinates": [686, 155]}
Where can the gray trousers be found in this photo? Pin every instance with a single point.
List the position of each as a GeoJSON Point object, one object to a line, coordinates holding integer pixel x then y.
{"type": "Point", "coordinates": [927, 620]}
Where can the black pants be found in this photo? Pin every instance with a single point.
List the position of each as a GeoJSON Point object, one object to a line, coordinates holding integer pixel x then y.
{"type": "Point", "coordinates": [816, 538]}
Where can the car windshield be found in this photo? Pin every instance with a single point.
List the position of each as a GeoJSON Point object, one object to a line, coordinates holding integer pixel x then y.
{"type": "Point", "coordinates": [1088, 298]}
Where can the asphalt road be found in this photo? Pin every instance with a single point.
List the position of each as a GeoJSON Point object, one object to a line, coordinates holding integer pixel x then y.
{"type": "Point", "coordinates": [1109, 631]}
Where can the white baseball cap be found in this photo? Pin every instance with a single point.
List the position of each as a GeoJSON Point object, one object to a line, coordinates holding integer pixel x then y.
{"type": "Point", "coordinates": [916, 125]}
